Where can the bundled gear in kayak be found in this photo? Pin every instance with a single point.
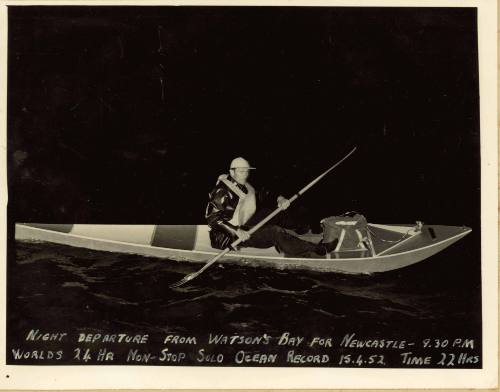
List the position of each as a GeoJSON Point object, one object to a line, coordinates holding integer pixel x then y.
{"type": "Point", "coordinates": [350, 230]}
{"type": "Point", "coordinates": [231, 207]}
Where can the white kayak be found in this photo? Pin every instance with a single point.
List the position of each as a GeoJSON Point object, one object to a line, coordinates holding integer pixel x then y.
{"type": "Point", "coordinates": [392, 246]}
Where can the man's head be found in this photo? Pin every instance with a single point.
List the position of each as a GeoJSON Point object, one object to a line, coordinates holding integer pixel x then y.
{"type": "Point", "coordinates": [240, 170]}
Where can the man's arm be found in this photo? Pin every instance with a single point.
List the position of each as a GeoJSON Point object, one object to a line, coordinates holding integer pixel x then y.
{"type": "Point", "coordinates": [219, 212]}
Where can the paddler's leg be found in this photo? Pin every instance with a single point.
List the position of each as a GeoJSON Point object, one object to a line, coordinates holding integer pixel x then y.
{"type": "Point", "coordinates": [272, 235]}
{"type": "Point", "coordinates": [294, 220]}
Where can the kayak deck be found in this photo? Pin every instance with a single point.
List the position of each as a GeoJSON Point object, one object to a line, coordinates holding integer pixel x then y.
{"type": "Point", "coordinates": [396, 246]}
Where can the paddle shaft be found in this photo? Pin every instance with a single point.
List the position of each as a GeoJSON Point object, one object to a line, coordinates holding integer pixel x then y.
{"type": "Point", "coordinates": [261, 223]}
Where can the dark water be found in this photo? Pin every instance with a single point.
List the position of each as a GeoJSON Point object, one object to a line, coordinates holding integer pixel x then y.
{"type": "Point", "coordinates": [59, 288]}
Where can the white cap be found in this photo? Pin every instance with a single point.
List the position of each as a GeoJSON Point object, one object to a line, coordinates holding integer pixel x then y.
{"type": "Point", "coordinates": [240, 163]}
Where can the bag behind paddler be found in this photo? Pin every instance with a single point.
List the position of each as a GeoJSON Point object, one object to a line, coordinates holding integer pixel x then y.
{"type": "Point", "coordinates": [350, 229]}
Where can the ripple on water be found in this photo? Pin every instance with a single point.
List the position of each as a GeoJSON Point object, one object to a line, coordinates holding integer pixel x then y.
{"type": "Point", "coordinates": [114, 290]}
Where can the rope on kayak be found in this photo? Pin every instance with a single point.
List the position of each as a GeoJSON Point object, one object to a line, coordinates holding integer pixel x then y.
{"type": "Point", "coordinates": [404, 236]}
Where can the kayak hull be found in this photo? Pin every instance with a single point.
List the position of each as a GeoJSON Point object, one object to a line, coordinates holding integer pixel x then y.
{"type": "Point", "coordinates": [192, 245]}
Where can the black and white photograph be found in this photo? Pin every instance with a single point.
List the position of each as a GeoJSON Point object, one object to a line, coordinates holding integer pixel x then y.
{"type": "Point", "coordinates": [272, 189]}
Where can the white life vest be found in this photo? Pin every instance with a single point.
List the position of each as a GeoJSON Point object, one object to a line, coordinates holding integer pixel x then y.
{"type": "Point", "coordinates": [246, 205]}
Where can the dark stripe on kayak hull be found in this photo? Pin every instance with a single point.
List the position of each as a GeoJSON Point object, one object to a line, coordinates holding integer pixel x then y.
{"type": "Point", "coordinates": [53, 227]}
{"type": "Point", "coordinates": [173, 236]}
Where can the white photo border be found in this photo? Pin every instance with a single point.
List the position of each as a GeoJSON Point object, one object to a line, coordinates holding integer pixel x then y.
{"type": "Point", "coordinates": [139, 377]}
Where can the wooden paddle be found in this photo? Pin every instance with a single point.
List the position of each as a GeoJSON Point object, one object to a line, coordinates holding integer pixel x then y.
{"type": "Point", "coordinates": [193, 275]}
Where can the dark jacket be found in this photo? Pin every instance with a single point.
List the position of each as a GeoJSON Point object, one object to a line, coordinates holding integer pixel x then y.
{"type": "Point", "coordinates": [220, 210]}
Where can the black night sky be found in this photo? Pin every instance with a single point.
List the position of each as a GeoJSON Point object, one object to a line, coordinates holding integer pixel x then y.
{"type": "Point", "coordinates": [129, 114]}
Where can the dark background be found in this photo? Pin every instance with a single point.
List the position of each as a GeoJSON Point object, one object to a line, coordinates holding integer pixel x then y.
{"type": "Point", "coordinates": [128, 114]}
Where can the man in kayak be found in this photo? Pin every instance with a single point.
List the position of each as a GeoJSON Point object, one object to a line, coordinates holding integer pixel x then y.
{"type": "Point", "coordinates": [232, 204]}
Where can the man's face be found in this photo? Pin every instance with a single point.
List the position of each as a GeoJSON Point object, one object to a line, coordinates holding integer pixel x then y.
{"type": "Point", "coordinates": [240, 175]}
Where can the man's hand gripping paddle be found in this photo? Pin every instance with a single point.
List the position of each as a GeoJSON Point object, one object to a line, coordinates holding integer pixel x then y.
{"type": "Point", "coordinates": [193, 275]}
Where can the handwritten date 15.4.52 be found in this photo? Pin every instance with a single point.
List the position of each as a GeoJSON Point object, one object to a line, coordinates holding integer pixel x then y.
{"type": "Point", "coordinates": [361, 360]}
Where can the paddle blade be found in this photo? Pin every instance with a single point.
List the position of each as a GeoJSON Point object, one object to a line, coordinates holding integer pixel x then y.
{"type": "Point", "coordinates": [183, 281]}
